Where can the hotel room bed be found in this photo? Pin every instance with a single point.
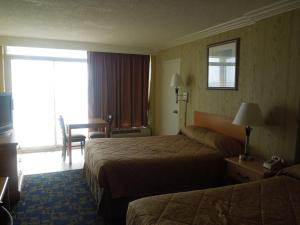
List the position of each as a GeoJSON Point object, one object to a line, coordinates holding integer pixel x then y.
{"type": "Point", "coordinates": [272, 201]}
{"type": "Point", "coordinates": [119, 170]}
{"type": "Point", "coordinates": [123, 169]}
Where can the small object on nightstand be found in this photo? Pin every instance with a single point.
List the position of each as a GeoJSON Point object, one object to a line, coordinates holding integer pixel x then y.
{"type": "Point", "coordinates": [274, 163]}
{"type": "Point", "coordinates": [244, 157]}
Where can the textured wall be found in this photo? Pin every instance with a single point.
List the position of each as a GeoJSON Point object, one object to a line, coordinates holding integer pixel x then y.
{"type": "Point", "coordinates": [1, 70]}
{"type": "Point", "coordinates": [269, 75]}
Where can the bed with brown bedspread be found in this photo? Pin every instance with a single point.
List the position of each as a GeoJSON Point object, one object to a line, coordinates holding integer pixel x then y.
{"type": "Point", "coordinates": [272, 201]}
{"type": "Point", "coordinates": [123, 169]}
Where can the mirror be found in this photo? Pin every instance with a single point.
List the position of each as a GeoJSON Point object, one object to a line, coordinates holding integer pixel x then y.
{"type": "Point", "coordinates": [223, 65]}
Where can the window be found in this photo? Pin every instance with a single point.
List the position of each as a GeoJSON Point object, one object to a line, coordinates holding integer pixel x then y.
{"type": "Point", "coordinates": [46, 83]}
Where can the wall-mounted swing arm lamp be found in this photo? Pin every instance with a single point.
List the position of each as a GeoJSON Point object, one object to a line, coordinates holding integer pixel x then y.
{"type": "Point", "coordinates": [177, 82]}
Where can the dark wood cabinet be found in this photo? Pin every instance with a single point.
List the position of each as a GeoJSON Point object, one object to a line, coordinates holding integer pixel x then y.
{"type": "Point", "coordinates": [8, 165]}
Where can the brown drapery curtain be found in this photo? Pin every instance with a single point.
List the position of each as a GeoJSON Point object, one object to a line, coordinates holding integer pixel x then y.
{"type": "Point", "coordinates": [118, 85]}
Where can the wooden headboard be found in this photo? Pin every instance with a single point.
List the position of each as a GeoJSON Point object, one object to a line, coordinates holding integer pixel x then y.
{"type": "Point", "coordinates": [220, 124]}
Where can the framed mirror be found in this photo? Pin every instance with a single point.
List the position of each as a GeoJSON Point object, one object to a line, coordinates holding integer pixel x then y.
{"type": "Point", "coordinates": [223, 65]}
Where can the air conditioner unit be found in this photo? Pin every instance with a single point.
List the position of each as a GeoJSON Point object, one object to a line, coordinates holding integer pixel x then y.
{"type": "Point", "coordinates": [132, 132]}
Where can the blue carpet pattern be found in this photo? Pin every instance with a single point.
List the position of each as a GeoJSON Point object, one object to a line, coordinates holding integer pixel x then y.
{"type": "Point", "coordinates": [61, 198]}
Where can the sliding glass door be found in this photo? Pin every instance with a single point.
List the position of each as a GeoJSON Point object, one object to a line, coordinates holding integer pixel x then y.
{"type": "Point", "coordinates": [33, 96]}
{"type": "Point", "coordinates": [43, 90]}
{"type": "Point", "coordinates": [71, 93]}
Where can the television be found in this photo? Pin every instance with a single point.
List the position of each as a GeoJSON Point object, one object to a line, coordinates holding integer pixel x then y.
{"type": "Point", "coordinates": [6, 117]}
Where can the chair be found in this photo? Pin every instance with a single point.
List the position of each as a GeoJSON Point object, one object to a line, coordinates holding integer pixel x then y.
{"type": "Point", "coordinates": [74, 138]}
{"type": "Point", "coordinates": [5, 217]}
{"type": "Point", "coordinates": [101, 134]}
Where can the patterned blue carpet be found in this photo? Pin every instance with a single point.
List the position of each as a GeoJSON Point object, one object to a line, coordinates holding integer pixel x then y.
{"type": "Point", "coordinates": [61, 198]}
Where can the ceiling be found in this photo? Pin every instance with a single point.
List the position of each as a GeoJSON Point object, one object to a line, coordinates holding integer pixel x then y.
{"type": "Point", "coordinates": [135, 23]}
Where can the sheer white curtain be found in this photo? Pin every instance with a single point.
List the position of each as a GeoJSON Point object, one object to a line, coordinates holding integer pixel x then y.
{"type": "Point", "coordinates": [42, 90]}
{"type": "Point", "coordinates": [32, 87]}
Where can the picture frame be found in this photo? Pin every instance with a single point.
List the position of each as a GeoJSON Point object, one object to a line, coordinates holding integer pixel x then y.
{"type": "Point", "coordinates": [223, 65]}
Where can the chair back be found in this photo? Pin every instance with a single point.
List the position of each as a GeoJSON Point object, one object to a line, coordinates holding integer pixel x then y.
{"type": "Point", "coordinates": [5, 217]}
{"type": "Point", "coordinates": [63, 128]}
{"type": "Point", "coordinates": [109, 121]}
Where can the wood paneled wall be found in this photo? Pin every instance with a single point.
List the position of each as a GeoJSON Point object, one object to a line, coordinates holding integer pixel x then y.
{"type": "Point", "coordinates": [269, 75]}
{"type": "Point", "coordinates": [2, 85]}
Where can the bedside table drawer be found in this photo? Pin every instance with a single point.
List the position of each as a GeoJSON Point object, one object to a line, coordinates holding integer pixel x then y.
{"type": "Point", "coordinates": [241, 174]}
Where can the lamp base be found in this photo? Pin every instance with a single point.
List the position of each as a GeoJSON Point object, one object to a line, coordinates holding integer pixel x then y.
{"type": "Point", "coordinates": [244, 157]}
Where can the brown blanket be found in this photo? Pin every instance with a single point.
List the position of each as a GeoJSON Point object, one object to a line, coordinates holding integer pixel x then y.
{"type": "Point", "coordinates": [135, 167]}
{"type": "Point", "coordinates": [273, 201]}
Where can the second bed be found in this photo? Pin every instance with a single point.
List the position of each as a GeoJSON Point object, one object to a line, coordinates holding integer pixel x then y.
{"type": "Point", "coordinates": [271, 201]}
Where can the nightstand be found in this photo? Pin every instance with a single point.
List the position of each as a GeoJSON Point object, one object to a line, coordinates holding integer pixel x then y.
{"type": "Point", "coordinates": [245, 171]}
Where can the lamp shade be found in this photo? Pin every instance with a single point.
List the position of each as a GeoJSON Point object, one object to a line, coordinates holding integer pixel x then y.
{"type": "Point", "coordinates": [176, 80]}
{"type": "Point", "coordinates": [249, 114]}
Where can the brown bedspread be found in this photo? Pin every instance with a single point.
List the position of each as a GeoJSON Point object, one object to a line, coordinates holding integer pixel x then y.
{"type": "Point", "coordinates": [273, 201]}
{"type": "Point", "coordinates": [135, 167]}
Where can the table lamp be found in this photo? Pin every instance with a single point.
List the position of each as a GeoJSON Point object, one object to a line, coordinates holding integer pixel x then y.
{"type": "Point", "coordinates": [249, 115]}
